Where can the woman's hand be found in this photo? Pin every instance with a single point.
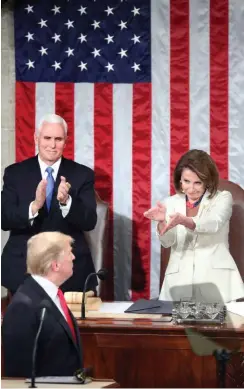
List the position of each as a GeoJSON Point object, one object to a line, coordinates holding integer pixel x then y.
{"type": "Point", "coordinates": [156, 213]}
{"type": "Point", "coordinates": [175, 219]}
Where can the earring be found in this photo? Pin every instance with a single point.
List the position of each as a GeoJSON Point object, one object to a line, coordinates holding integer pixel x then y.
{"type": "Point", "coordinates": [182, 190]}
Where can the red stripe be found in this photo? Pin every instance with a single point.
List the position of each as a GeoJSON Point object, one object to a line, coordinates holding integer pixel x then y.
{"type": "Point", "coordinates": [219, 84]}
{"type": "Point", "coordinates": [103, 162]}
{"type": "Point", "coordinates": [65, 107]}
{"type": "Point", "coordinates": [141, 190]}
{"type": "Point", "coordinates": [179, 81]}
{"type": "Point", "coordinates": [25, 93]}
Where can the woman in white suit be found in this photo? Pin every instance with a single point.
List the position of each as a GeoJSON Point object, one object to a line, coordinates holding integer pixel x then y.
{"type": "Point", "coordinates": [195, 224]}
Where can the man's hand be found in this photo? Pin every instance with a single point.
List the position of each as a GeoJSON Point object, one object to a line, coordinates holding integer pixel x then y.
{"type": "Point", "coordinates": [63, 191]}
{"type": "Point", "coordinates": [40, 197]}
{"type": "Point", "coordinates": [156, 213]}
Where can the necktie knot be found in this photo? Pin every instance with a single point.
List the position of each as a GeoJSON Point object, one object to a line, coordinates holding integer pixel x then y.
{"type": "Point", "coordinates": [49, 170]}
{"type": "Point", "coordinates": [60, 294]}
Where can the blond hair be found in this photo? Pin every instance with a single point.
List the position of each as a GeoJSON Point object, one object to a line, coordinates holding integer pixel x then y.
{"type": "Point", "coordinates": [43, 249]}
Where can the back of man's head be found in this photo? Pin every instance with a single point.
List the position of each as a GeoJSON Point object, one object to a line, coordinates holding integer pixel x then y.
{"type": "Point", "coordinates": [44, 248]}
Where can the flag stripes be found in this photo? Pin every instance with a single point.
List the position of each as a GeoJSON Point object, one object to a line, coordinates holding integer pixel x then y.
{"type": "Point", "coordinates": [133, 134]}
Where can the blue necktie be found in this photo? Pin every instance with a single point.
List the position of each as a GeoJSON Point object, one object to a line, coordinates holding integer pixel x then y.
{"type": "Point", "coordinates": [50, 186]}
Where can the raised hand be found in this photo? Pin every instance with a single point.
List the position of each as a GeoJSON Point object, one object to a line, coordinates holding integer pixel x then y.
{"type": "Point", "coordinates": [156, 213]}
{"type": "Point", "coordinates": [63, 191]}
{"type": "Point", "coordinates": [174, 220]}
{"type": "Point", "coordinates": [40, 196]}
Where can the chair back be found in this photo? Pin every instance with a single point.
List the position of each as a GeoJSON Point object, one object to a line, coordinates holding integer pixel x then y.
{"type": "Point", "coordinates": [97, 238]}
{"type": "Point", "coordinates": [236, 234]}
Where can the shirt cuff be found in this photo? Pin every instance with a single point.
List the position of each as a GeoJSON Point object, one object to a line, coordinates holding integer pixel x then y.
{"type": "Point", "coordinates": [65, 208]}
{"type": "Point", "coordinates": [31, 216]}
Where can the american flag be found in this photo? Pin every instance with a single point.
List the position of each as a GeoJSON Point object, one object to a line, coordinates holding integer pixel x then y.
{"type": "Point", "coordinates": [139, 82]}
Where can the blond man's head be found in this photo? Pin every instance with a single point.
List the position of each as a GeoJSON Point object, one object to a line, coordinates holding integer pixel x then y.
{"type": "Point", "coordinates": [47, 251]}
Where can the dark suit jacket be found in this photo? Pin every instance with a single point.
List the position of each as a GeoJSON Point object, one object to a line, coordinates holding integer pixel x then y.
{"type": "Point", "coordinates": [57, 353]}
{"type": "Point", "coordinates": [20, 183]}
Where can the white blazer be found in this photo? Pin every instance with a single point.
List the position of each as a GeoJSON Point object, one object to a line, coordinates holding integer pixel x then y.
{"type": "Point", "coordinates": [200, 265]}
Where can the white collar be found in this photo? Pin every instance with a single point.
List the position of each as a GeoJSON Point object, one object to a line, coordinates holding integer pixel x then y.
{"type": "Point", "coordinates": [55, 167]}
{"type": "Point", "coordinates": [50, 288]}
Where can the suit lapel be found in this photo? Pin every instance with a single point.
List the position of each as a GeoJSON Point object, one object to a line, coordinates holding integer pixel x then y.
{"type": "Point", "coordinates": [55, 311]}
{"type": "Point", "coordinates": [34, 173]}
{"type": "Point", "coordinates": [62, 171]}
{"type": "Point", "coordinates": [204, 203]}
{"type": "Point", "coordinates": [181, 204]}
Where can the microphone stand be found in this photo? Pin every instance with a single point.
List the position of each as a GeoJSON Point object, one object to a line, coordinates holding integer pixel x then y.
{"type": "Point", "coordinates": [83, 308]}
{"type": "Point", "coordinates": [101, 274]}
{"type": "Point", "coordinates": [33, 372]}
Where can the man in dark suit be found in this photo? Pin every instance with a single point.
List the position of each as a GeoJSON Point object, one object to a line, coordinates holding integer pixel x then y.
{"type": "Point", "coordinates": [50, 263]}
{"type": "Point", "coordinates": [48, 193]}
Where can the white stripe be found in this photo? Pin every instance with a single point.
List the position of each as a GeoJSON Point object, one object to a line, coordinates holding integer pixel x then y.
{"type": "Point", "coordinates": [199, 75]}
{"type": "Point", "coordinates": [122, 189]}
{"type": "Point", "coordinates": [236, 91]}
{"type": "Point", "coordinates": [45, 101]}
{"type": "Point", "coordinates": [84, 124]}
{"type": "Point", "coordinates": [160, 180]}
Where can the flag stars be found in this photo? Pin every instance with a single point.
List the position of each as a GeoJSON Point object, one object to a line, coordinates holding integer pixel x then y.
{"type": "Point", "coordinates": [82, 10]}
{"type": "Point", "coordinates": [82, 38]}
{"type": "Point", "coordinates": [30, 64]}
{"type": "Point", "coordinates": [43, 23]}
{"type": "Point", "coordinates": [122, 25]}
{"type": "Point", "coordinates": [96, 52]}
{"type": "Point", "coordinates": [109, 11]}
{"type": "Point", "coordinates": [56, 38]}
{"type": "Point", "coordinates": [82, 66]}
{"type": "Point", "coordinates": [96, 24]}
{"type": "Point", "coordinates": [109, 67]}
{"type": "Point", "coordinates": [69, 24]}
{"type": "Point", "coordinates": [69, 51]}
{"type": "Point", "coordinates": [136, 39]}
{"type": "Point", "coordinates": [109, 39]}
{"type": "Point", "coordinates": [136, 67]}
{"type": "Point", "coordinates": [56, 10]}
{"type": "Point", "coordinates": [122, 53]}
{"type": "Point", "coordinates": [56, 65]}
{"type": "Point", "coordinates": [29, 37]}
{"type": "Point", "coordinates": [29, 8]}
{"type": "Point", "coordinates": [43, 51]}
{"type": "Point", "coordinates": [136, 11]}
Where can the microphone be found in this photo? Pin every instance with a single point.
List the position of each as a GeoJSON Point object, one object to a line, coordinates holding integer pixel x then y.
{"type": "Point", "coordinates": [102, 275]}
{"type": "Point", "coordinates": [44, 305]}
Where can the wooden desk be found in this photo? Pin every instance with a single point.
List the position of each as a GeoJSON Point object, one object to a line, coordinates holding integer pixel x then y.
{"type": "Point", "coordinates": [150, 353]}
{"type": "Point", "coordinates": [20, 383]}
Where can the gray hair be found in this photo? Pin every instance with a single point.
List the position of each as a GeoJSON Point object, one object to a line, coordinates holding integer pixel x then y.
{"type": "Point", "coordinates": [52, 118]}
{"type": "Point", "coordinates": [43, 249]}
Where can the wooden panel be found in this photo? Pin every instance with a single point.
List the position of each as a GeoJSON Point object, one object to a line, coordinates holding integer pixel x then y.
{"type": "Point", "coordinates": [145, 354]}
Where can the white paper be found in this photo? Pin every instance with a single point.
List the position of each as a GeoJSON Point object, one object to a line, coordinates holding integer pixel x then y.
{"type": "Point", "coordinates": [237, 308]}
{"type": "Point", "coordinates": [115, 307]}
{"type": "Point", "coordinates": [57, 380]}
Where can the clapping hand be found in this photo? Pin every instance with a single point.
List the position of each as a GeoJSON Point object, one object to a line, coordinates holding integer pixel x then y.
{"type": "Point", "coordinates": [174, 220]}
{"type": "Point", "coordinates": [63, 191]}
{"type": "Point", "coordinates": [40, 196]}
{"type": "Point", "coordinates": [156, 213]}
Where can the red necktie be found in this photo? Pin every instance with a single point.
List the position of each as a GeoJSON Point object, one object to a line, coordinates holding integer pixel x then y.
{"type": "Point", "coordinates": [65, 309]}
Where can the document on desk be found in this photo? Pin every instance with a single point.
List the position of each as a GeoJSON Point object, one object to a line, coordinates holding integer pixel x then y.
{"type": "Point", "coordinates": [115, 307]}
{"type": "Point", "coordinates": [235, 307]}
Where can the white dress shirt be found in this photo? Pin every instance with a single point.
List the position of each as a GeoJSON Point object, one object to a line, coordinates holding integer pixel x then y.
{"type": "Point", "coordinates": [43, 166]}
{"type": "Point", "coordinates": [51, 289]}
